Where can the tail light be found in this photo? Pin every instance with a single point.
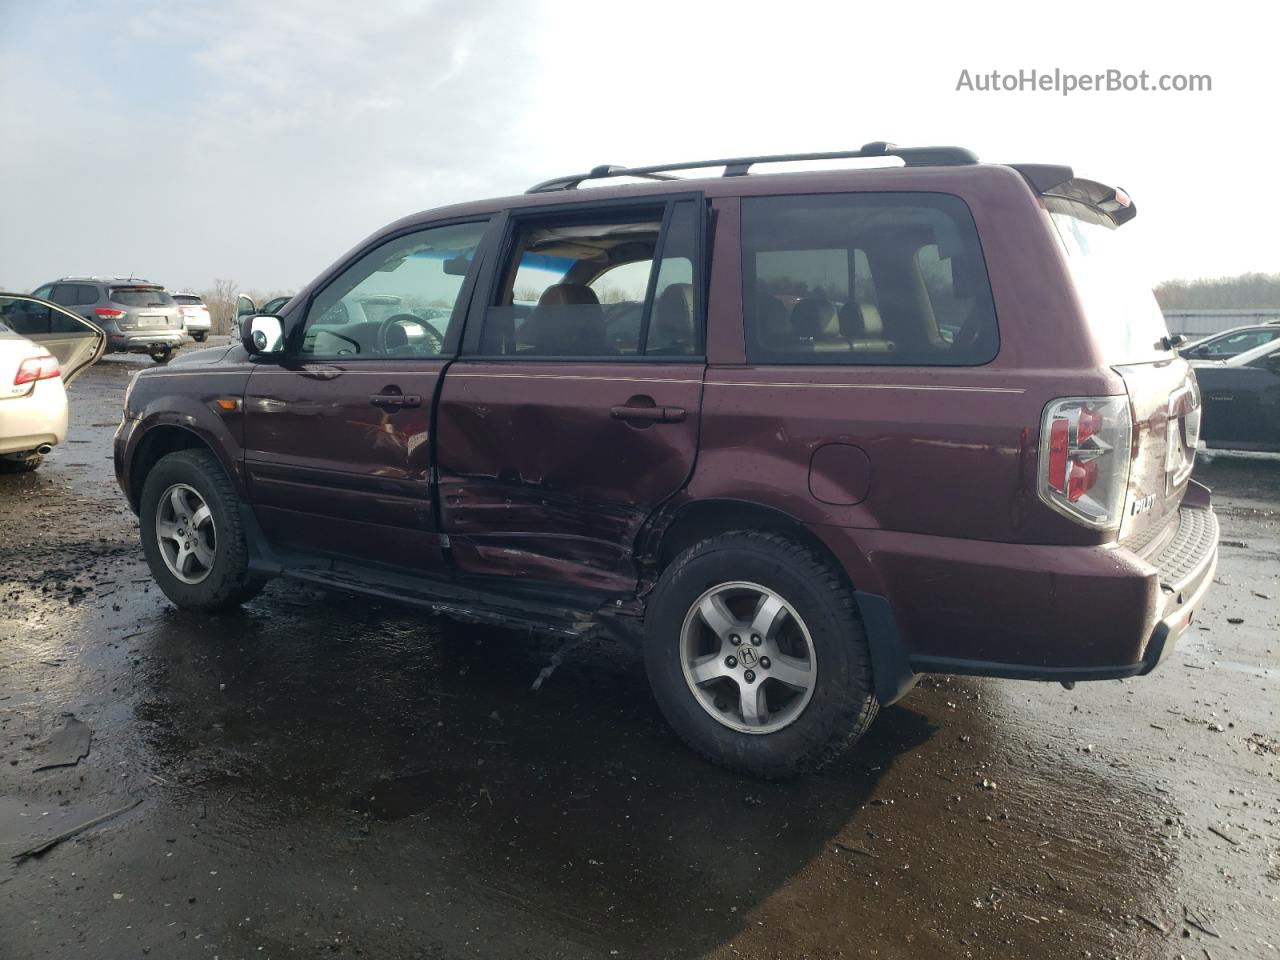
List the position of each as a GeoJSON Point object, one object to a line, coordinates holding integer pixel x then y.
{"type": "Point", "coordinates": [108, 313]}
{"type": "Point", "coordinates": [1084, 458]}
{"type": "Point", "coordinates": [37, 368]}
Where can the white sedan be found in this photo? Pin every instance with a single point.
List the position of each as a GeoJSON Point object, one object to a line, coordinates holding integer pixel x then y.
{"type": "Point", "coordinates": [42, 348]}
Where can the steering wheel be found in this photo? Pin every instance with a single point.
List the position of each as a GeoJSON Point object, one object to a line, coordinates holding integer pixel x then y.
{"type": "Point", "coordinates": [433, 336]}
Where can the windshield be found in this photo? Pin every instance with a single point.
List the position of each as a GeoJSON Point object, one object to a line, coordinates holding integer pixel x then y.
{"type": "Point", "coordinates": [1120, 308]}
{"type": "Point", "coordinates": [141, 297]}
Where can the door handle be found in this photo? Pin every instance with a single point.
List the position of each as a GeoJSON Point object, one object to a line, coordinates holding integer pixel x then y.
{"type": "Point", "coordinates": [648, 414]}
{"type": "Point", "coordinates": [395, 400]}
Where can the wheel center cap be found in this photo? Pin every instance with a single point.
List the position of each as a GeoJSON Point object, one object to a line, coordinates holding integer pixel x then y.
{"type": "Point", "coordinates": [748, 656]}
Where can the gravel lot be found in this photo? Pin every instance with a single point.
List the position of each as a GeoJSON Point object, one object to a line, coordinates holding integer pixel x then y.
{"type": "Point", "coordinates": [326, 776]}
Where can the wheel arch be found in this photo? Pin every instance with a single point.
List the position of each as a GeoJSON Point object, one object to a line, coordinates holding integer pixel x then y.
{"type": "Point", "coordinates": [157, 443]}
{"type": "Point", "coordinates": [700, 519]}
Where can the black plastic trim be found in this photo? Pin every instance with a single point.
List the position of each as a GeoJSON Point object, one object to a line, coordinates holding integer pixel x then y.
{"type": "Point", "coordinates": [891, 670]}
{"type": "Point", "coordinates": [1027, 671]}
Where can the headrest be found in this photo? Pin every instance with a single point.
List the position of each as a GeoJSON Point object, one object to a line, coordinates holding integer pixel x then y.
{"type": "Point", "coordinates": [568, 294]}
{"type": "Point", "coordinates": [810, 317]}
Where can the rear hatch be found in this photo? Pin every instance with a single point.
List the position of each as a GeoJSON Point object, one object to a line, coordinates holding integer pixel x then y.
{"type": "Point", "coordinates": [1130, 331]}
{"type": "Point", "coordinates": [193, 310]}
{"type": "Point", "coordinates": [146, 307]}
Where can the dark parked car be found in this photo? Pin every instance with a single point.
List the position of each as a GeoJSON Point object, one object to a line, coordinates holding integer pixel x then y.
{"type": "Point", "coordinates": [871, 424]}
{"type": "Point", "coordinates": [1231, 343]}
{"type": "Point", "coordinates": [136, 316]}
{"type": "Point", "coordinates": [1242, 399]}
{"type": "Point", "coordinates": [245, 307]}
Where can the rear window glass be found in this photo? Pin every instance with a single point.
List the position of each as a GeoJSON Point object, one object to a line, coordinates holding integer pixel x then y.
{"type": "Point", "coordinates": [187, 299]}
{"type": "Point", "coordinates": [872, 278]}
{"type": "Point", "coordinates": [1119, 307]}
{"type": "Point", "coordinates": [141, 297]}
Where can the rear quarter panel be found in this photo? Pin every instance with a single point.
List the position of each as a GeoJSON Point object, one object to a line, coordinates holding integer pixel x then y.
{"type": "Point", "coordinates": [950, 451]}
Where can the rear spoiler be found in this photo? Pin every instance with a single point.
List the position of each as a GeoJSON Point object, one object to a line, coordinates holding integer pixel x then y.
{"type": "Point", "coordinates": [1059, 182]}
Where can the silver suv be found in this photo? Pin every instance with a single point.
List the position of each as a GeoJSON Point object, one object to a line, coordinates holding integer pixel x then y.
{"type": "Point", "coordinates": [136, 315]}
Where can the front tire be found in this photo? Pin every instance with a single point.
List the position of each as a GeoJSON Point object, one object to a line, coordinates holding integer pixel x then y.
{"type": "Point", "coordinates": [757, 656]}
{"type": "Point", "coordinates": [192, 535]}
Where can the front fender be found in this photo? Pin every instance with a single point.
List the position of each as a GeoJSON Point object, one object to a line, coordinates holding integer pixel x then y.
{"type": "Point", "coordinates": [207, 407]}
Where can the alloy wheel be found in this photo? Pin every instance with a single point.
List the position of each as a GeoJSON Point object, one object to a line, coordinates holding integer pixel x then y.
{"type": "Point", "coordinates": [748, 657]}
{"type": "Point", "coordinates": [185, 533]}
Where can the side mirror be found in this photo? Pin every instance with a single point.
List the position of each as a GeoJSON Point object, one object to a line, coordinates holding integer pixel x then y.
{"type": "Point", "coordinates": [262, 335]}
{"type": "Point", "coordinates": [245, 307]}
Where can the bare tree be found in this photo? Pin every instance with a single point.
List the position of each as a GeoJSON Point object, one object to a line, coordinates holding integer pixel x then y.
{"type": "Point", "coordinates": [221, 301]}
{"type": "Point", "coordinates": [1248, 290]}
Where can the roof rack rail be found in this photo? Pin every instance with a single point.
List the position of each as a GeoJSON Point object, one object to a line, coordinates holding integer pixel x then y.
{"type": "Point", "coordinates": [741, 166]}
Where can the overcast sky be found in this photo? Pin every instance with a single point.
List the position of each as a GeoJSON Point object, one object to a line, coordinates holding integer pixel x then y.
{"type": "Point", "coordinates": [257, 141]}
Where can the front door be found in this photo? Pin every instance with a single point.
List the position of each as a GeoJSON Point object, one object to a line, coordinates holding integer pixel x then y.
{"type": "Point", "coordinates": [573, 412]}
{"type": "Point", "coordinates": [338, 434]}
{"type": "Point", "coordinates": [73, 340]}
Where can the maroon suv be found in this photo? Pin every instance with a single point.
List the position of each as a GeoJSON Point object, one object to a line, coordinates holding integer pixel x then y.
{"type": "Point", "coordinates": [806, 436]}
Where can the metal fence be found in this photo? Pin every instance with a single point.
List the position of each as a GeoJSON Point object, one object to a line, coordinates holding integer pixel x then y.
{"type": "Point", "coordinates": [1200, 323]}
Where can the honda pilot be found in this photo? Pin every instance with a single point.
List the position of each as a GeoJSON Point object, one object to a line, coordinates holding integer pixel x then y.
{"type": "Point", "coordinates": [803, 437]}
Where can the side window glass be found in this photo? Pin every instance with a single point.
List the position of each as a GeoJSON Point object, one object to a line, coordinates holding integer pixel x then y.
{"type": "Point", "coordinates": [675, 329]}
{"type": "Point", "coordinates": [396, 300]}
{"type": "Point", "coordinates": [1268, 361]}
{"type": "Point", "coordinates": [59, 322]}
{"type": "Point", "coordinates": [606, 288]}
{"type": "Point", "coordinates": [86, 295]}
{"type": "Point", "coordinates": [574, 289]}
{"type": "Point", "coordinates": [865, 279]}
{"type": "Point", "coordinates": [25, 317]}
{"type": "Point", "coordinates": [65, 294]}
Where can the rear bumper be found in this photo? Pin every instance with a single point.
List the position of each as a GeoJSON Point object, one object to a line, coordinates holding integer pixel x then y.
{"type": "Point", "coordinates": [39, 417]}
{"type": "Point", "coordinates": [1033, 612]}
{"type": "Point", "coordinates": [141, 341]}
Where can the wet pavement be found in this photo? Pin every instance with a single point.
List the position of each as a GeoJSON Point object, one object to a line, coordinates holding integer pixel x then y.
{"type": "Point", "coordinates": [323, 776]}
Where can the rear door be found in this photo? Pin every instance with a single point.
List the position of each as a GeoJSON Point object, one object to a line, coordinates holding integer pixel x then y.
{"type": "Point", "coordinates": [338, 434]}
{"type": "Point", "coordinates": [573, 412]}
{"type": "Point", "coordinates": [74, 341]}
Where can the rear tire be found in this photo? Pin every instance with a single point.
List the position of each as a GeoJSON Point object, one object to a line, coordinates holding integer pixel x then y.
{"type": "Point", "coordinates": [819, 627]}
{"type": "Point", "coordinates": [224, 581]}
{"type": "Point", "coordinates": [25, 465]}
{"type": "Point", "coordinates": [199, 337]}
{"type": "Point", "coordinates": [161, 354]}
